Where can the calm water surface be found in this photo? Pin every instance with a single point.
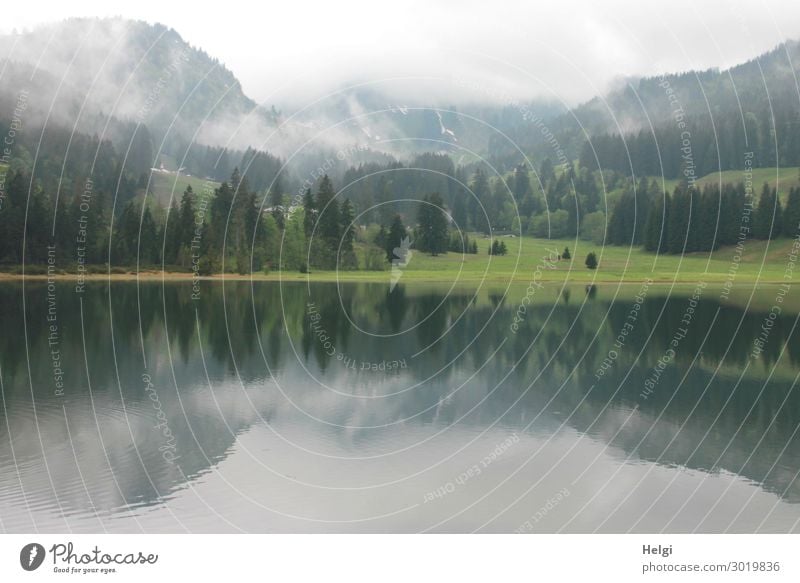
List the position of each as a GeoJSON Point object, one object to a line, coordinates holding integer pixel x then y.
{"type": "Point", "coordinates": [284, 407]}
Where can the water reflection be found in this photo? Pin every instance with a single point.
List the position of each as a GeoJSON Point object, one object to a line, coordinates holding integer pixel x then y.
{"type": "Point", "coordinates": [346, 407]}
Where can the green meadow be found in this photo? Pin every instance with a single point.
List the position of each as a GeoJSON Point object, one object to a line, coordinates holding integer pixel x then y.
{"type": "Point", "coordinates": [166, 188]}
{"type": "Point", "coordinates": [528, 257]}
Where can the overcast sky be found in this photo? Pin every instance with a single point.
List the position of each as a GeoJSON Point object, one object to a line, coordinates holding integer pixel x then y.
{"type": "Point", "coordinates": [569, 50]}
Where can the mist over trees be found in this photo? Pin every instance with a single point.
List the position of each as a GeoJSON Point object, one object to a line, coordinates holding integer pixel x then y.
{"type": "Point", "coordinates": [551, 174]}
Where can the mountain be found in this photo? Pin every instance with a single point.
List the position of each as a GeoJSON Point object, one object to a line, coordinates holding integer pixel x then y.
{"type": "Point", "coordinates": [97, 74]}
{"type": "Point", "coordinates": [84, 72]}
{"type": "Point", "coordinates": [719, 115]}
{"type": "Point", "coordinates": [123, 80]}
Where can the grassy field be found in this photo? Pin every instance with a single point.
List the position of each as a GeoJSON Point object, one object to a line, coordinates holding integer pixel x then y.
{"type": "Point", "coordinates": [162, 186]}
{"type": "Point", "coordinates": [620, 273]}
{"type": "Point", "coordinates": [761, 261]}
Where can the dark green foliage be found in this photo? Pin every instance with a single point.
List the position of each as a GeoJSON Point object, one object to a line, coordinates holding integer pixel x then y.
{"type": "Point", "coordinates": [715, 144]}
{"type": "Point", "coordinates": [380, 237]}
{"type": "Point", "coordinates": [498, 248]}
{"type": "Point", "coordinates": [432, 234]}
{"type": "Point", "coordinates": [629, 217]}
{"type": "Point", "coordinates": [655, 230]}
{"type": "Point", "coordinates": [187, 228]}
{"type": "Point", "coordinates": [680, 209]}
{"type": "Point", "coordinates": [347, 255]}
{"type": "Point", "coordinates": [309, 213]}
{"type": "Point", "coordinates": [591, 260]}
{"type": "Point", "coordinates": [394, 239]}
{"type": "Point", "coordinates": [481, 194]}
{"type": "Point", "coordinates": [691, 220]}
{"type": "Point", "coordinates": [768, 222]}
{"type": "Point", "coordinates": [460, 243]}
{"type": "Point", "coordinates": [327, 229]}
{"type": "Point", "coordinates": [328, 221]}
{"type": "Point", "coordinates": [276, 202]}
{"type": "Point", "coordinates": [791, 214]}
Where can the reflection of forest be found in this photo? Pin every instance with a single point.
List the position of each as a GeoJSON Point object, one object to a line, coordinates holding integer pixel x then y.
{"type": "Point", "coordinates": [262, 330]}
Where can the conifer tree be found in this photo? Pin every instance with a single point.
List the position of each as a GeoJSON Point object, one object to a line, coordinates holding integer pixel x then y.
{"type": "Point", "coordinates": [347, 255]}
{"type": "Point", "coordinates": [276, 202]}
{"type": "Point", "coordinates": [768, 216]}
{"type": "Point", "coordinates": [432, 235]}
{"type": "Point", "coordinates": [394, 239]}
{"type": "Point", "coordinates": [791, 214]}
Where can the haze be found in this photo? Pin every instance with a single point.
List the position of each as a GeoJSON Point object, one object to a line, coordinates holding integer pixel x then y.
{"type": "Point", "coordinates": [285, 52]}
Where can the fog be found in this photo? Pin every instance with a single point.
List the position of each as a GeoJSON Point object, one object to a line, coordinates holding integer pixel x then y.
{"type": "Point", "coordinates": [291, 53]}
{"type": "Point", "coordinates": [347, 74]}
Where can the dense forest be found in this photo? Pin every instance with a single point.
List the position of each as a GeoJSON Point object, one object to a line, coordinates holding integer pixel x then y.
{"type": "Point", "coordinates": [237, 227]}
{"type": "Point", "coordinates": [229, 229]}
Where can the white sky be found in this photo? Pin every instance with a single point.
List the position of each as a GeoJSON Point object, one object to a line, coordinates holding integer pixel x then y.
{"type": "Point", "coordinates": [571, 49]}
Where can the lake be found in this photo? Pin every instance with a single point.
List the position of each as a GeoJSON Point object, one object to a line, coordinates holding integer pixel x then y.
{"type": "Point", "coordinates": [325, 407]}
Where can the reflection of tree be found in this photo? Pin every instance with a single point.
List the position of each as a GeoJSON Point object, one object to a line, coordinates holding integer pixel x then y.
{"type": "Point", "coordinates": [432, 318]}
{"type": "Point", "coordinates": [327, 333]}
{"type": "Point", "coordinates": [396, 306]}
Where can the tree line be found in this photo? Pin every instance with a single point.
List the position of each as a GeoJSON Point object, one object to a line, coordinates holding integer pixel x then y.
{"type": "Point", "coordinates": [692, 219]}
{"type": "Point", "coordinates": [230, 228]}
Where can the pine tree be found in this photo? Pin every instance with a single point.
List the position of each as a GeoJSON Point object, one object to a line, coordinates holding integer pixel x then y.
{"type": "Point", "coordinates": [767, 222]}
{"type": "Point", "coordinates": [186, 226]}
{"type": "Point", "coordinates": [566, 254]}
{"type": "Point", "coordinates": [394, 239]}
{"type": "Point", "coordinates": [678, 220]}
{"type": "Point", "coordinates": [252, 253]}
{"type": "Point", "coordinates": [432, 236]}
{"type": "Point", "coordinates": [730, 215]}
{"type": "Point", "coordinates": [591, 260]}
{"type": "Point", "coordinates": [293, 253]}
{"type": "Point", "coordinates": [380, 237]}
{"type": "Point", "coordinates": [621, 223]}
{"type": "Point", "coordinates": [309, 213]}
{"type": "Point", "coordinates": [643, 202]}
{"type": "Point", "coordinates": [708, 215]}
{"type": "Point", "coordinates": [148, 239]}
{"type": "Point", "coordinates": [655, 235]}
{"type": "Point", "coordinates": [791, 214]}
{"type": "Point", "coordinates": [546, 171]}
{"type": "Point", "coordinates": [236, 179]}
{"type": "Point", "coordinates": [329, 227]}
{"type": "Point", "coordinates": [347, 255]}
{"type": "Point", "coordinates": [169, 238]}
{"type": "Point", "coordinates": [216, 250]}
{"type": "Point", "coordinates": [480, 198]}
{"type": "Point", "coordinates": [276, 201]}
{"type": "Point", "coordinates": [522, 186]}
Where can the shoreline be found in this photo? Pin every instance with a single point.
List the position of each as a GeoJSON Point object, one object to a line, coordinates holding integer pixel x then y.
{"type": "Point", "coordinates": [380, 277]}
